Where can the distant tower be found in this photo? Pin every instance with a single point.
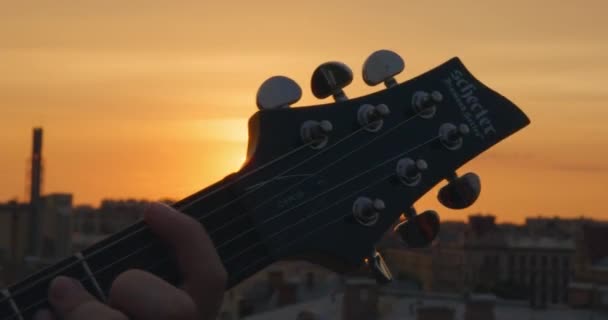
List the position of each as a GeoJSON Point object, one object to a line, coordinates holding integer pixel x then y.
{"type": "Point", "coordinates": [35, 190]}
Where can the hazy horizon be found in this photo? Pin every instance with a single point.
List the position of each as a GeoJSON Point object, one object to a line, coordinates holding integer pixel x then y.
{"type": "Point", "coordinates": [151, 99]}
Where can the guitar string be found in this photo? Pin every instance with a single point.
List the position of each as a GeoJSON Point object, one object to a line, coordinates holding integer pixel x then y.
{"type": "Point", "coordinates": [194, 201]}
{"type": "Point", "coordinates": [135, 232]}
{"type": "Point", "coordinates": [345, 156]}
{"type": "Point", "coordinates": [281, 231]}
{"type": "Point", "coordinates": [307, 217]}
{"type": "Point", "coordinates": [340, 200]}
{"type": "Point", "coordinates": [292, 242]}
{"type": "Point", "coordinates": [187, 205]}
{"type": "Point", "coordinates": [283, 212]}
{"type": "Point", "coordinates": [328, 191]}
{"type": "Point", "coordinates": [238, 198]}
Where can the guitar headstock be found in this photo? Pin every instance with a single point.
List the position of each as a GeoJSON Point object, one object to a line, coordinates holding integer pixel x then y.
{"type": "Point", "coordinates": [336, 177]}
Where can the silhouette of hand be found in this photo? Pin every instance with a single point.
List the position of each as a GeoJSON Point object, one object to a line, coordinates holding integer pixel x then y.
{"type": "Point", "coordinates": [138, 294]}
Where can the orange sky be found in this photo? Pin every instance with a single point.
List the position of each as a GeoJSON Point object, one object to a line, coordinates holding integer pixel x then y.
{"type": "Point", "coordinates": [151, 98]}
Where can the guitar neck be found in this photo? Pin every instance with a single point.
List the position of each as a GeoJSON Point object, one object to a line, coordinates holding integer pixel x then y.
{"type": "Point", "coordinates": [216, 207]}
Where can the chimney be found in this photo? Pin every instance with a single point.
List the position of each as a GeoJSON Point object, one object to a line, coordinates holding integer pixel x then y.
{"type": "Point", "coordinates": [35, 190]}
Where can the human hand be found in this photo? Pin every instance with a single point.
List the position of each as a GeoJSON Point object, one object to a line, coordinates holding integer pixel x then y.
{"type": "Point", "coordinates": [136, 294]}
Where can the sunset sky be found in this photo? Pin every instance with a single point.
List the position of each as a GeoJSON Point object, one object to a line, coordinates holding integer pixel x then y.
{"type": "Point", "coordinates": [150, 99]}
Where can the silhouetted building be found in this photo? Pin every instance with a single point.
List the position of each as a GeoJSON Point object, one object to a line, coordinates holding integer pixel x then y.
{"type": "Point", "coordinates": [591, 272]}
{"type": "Point", "coordinates": [516, 266]}
{"type": "Point", "coordinates": [482, 224]}
{"type": "Point", "coordinates": [56, 228]}
{"type": "Point", "coordinates": [557, 227]}
{"type": "Point", "coordinates": [592, 254]}
{"type": "Point", "coordinates": [14, 228]}
{"type": "Point", "coordinates": [117, 214]}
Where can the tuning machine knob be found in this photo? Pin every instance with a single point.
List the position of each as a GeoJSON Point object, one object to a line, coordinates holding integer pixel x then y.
{"type": "Point", "coordinates": [382, 66]}
{"type": "Point", "coordinates": [460, 192]}
{"type": "Point", "coordinates": [329, 79]}
{"type": "Point", "coordinates": [418, 231]}
{"type": "Point", "coordinates": [379, 269]}
{"type": "Point", "coordinates": [278, 92]}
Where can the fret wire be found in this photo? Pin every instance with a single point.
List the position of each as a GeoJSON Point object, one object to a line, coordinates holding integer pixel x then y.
{"type": "Point", "coordinates": [90, 275]}
{"type": "Point", "coordinates": [239, 179]}
{"type": "Point", "coordinates": [9, 297]}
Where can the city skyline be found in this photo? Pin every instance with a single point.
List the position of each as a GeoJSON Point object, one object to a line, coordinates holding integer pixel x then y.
{"type": "Point", "coordinates": [151, 100]}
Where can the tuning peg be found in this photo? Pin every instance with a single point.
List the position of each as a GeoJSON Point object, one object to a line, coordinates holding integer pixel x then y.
{"type": "Point", "coordinates": [278, 92]}
{"type": "Point", "coordinates": [419, 231]}
{"type": "Point", "coordinates": [316, 132]}
{"type": "Point", "coordinates": [452, 136]}
{"type": "Point", "coordinates": [410, 171]}
{"type": "Point", "coordinates": [460, 192]}
{"type": "Point", "coordinates": [379, 268]}
{"type": "Point", "coordinates": [329, 78]}
{"type": "Point", "coordinates": [425, 103]}
{"type": "Point", "coordinates": [367, 211]}
{"type": "Point", "coordinates": [382, 66]}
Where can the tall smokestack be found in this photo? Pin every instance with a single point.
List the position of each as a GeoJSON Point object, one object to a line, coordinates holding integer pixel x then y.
{"type": "Point", "coordinates": [35, 188]}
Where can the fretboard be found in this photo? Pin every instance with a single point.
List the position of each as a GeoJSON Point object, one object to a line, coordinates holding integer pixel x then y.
{"type": "Point", "coordinates": [217, 207]}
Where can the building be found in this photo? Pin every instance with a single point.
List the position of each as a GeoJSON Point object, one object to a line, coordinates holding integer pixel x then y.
{"type": "Point", "coordinates": [114, 215]}
{"type": "Point", "coordinates": [56, 226]}
{"type": "Point", "coordinates": [557, 227]}
{"type": "Point", "coordinates": [14, 227]}
{"type": "Point", "coordinates": [590, 289]}
{"type": "Point", "coordinates": [439, 268]}
{"type": "Point", "coordinates": [514, 264]}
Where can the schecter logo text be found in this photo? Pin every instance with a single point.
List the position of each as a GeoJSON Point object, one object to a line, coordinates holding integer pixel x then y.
{"type": "Point", "coordinates": [474, 112]}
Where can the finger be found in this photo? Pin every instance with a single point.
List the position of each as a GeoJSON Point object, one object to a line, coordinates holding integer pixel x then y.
{"type": "Point", "coordinates": [72, 302]}
{"type": "Point", "coordinates": [204, 274]}
{"type": "Point", "coordinates": [142, 295]}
